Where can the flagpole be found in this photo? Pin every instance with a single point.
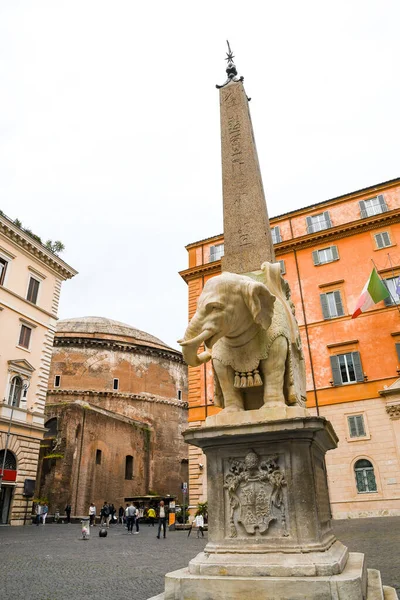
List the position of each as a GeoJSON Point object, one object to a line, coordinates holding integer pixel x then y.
{"type": "Point", "coordinates": [390, 293]}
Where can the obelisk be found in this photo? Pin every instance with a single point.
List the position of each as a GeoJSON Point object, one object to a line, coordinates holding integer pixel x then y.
{"type": "Point", "coordinates": [247, 234]}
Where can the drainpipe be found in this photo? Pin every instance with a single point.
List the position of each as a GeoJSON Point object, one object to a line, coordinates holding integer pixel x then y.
{"type": "Point", "coordinates": [305, 324]}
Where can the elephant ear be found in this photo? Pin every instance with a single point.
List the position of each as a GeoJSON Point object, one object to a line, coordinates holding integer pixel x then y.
{"type": "Point", "coordinates": [260, 302]}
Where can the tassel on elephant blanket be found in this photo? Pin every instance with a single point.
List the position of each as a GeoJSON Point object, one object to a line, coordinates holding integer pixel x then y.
{"type": "Point", "coordinates": [247, 379]}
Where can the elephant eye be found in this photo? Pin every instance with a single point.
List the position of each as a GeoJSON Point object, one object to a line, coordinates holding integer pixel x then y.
{"type": "Point", "coordinates": [213, 306]}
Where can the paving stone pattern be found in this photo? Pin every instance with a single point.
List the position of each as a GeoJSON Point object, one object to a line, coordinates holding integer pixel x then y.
{"type": "Point", "coordinates": [51, 563]}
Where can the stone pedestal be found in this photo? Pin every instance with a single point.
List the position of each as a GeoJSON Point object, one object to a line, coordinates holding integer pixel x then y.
{"type": "Point", "coordinates": [270, 534]}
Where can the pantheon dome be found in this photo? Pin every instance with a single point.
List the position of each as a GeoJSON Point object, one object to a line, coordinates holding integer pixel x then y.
{"type": "Point", "coordinates": [116, 408]}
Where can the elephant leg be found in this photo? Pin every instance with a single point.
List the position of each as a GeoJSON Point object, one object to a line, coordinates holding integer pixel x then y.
{"type": "Point", "coordinates": [273, 370]}
{"type": "Point", "coordinates": [233, 399]}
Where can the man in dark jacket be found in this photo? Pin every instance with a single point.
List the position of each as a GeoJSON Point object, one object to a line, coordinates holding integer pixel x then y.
{"type": "Point", "coordinates": [162, 518]}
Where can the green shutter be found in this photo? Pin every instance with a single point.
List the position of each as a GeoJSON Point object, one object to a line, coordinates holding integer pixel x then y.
{"type": "Point", "coordinates": [386, 238]}
{"type": "Point", "coordinates": [337, 378]}
{"type": "Point", "coordinates": [352, 426]}
{"type": "Point", "coordinates": [310, 227]}
{"type": "Point", "coordinates": [315, 256]}
{"type": "Point", "coordinates": [327, 219]}
{"type": "Point", "coordinates": [379, 240]}
{"type": "Point", "coordinates": [382, 202]}
{"type": "Point", "coordinates": [389, 300]}
{"type": "Point", "coordinates": [359, 419]}
{"type": "Point", "coordinates": [363, 210]}
{"type": "Point", "coordinates": [339, 304]}
{"type": "Point", "coordinates": [335, 253]}
{"type": "Point", "coordinates": [371, 482]}
{"type": "Point", "coordinates": [212, 253]}
{"type": "Point", "coordinates": [357, 366]}
{"type": "Point", "coordinates": [325, 308]}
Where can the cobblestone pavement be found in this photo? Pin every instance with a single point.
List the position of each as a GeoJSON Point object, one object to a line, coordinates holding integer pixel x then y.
{"type": "Point", "coordinates": [51, 563]}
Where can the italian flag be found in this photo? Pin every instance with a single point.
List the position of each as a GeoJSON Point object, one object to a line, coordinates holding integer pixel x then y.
{"type": "Point", "coordinates": [374, 291]}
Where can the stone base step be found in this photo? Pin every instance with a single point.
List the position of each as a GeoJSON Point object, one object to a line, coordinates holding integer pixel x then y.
{"type": "Point", "coordinates": [374, 587]}
{"type": "Point", "coordinates": [389, 593]}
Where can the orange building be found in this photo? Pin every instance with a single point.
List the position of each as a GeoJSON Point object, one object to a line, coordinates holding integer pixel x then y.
{"type": "Point", "coordinates": [327, 252]}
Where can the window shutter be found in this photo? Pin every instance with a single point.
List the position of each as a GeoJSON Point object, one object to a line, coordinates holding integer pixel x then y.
{"type": "Point", "coordinates": [371, 480]}
{"type": "Point", "coordinates": [212, 253]}
{"type": "Point", "coordinates": [335, 253]}
{"type": "Point", "coordinates": [363, 210]}
{"type": "Point", "coordinates": [315, 257]}
{"type": "Point", "coordinates": [276, 233]}
{"type": "Point", "coordinates": [337, 378]}
{"type": "Point", "coordinates": [398, 350]}
{"type": "Point", "coordinates": [310, 226]}
{"type": "Point", "coordinates": [360, 481]}
{"type": "Point", "coordinates": [327, 219]}
{"type": "Point", "coordinates": [357, 366]}
{"type": "Point", "coordinates": [325, 308]}
{"type": "Point", "coordinates": [359, 419]}
{"type": "Point", "coordinates": [339, 303]}
{"type": "Point", "coordinates": [352, 426]}
{"type": "Point", "coordinates": [283, 268]}
{"type": "Point", "coordinates": [379, 240]}
{"type": "Point", "coordinates": [382, 202]}
{"type": "Point", "coordinates": [389, 300]}
{"type": "Point", "coordinates": [385, 238]}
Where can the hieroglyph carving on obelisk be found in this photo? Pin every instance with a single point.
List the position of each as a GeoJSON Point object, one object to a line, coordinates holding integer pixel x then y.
{"type": "Point", "coordinates": [247, 234]}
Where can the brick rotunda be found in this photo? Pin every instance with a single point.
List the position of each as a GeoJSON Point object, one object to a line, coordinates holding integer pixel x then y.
{"type": "Point", "coordinates": [116, 408]}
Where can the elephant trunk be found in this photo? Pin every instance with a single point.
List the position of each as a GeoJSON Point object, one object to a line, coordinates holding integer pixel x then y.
{"type": "Point", "coordinates": [191, 342]}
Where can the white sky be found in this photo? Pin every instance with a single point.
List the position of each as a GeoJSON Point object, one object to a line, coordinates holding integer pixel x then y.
{"type": "Point", "coordinates": [109, 128]}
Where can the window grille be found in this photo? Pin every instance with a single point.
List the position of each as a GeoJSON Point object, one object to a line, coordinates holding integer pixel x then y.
{"type": "Point", "coordinates": [365, 476]}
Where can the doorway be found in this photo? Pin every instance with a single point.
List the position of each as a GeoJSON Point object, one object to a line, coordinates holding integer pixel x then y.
{"type": "Point", "coordinates": [5, 503]}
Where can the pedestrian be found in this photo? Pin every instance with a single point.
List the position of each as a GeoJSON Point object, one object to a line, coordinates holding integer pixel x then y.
{"type": "Point", "coordinates": [68, 513]}
{"type": "Point", "coordinates": [199, 520]}
{"type": "Point", "coordinates": [45, 510]}
{"type": "Point", "coordinates": [38, 512]}
{"type": "Point", "coordinates": [162, 519]}
{"type": "Point", "coordinates": [105, 515]}
{"type": "Point", "coordinates": [120, 515]}
{"type": "Point", "coordinates": [130, 513]}
{"type": "Point", "coordinates": [137, 516]}
{"type": "Point", "coordinates": [151, 515]}
{"type": "Point", "coordinates": [92, 514]}
{"type": "Point", "coordinates": [113, 510]}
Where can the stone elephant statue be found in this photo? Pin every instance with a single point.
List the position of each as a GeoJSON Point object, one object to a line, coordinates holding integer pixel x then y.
{"type": "Point", "coordinates": [248, 328]}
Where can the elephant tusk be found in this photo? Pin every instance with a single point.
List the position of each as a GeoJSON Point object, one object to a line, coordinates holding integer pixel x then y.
{"type": "Point", "coordinates": [199, 339]}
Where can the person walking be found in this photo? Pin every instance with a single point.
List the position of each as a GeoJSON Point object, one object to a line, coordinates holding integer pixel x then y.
{"type": "Point", "coordinates": [130, 513]}
{"type": "Point", "coordinates": [45, 510]}
{"type": "Point", "coordinates": [151, 515]}
{"type": "Point", "coordinates": [68, 513]}
{"type": "Point", "coordinates": [199, 520]}
{"type": "Point", "coordinates": [120, 515]}
{"type": "Point", "coordinates": [105, 515]}
{"type": "Point", "coordinates": [92, 514]}
{"type": "Point", "coordinates": [162, 519]}
{"type": "Point", "coordinates": [137, 517]}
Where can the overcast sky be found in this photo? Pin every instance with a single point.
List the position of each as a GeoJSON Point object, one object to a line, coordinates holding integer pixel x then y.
{"type": "Point", "coordinates": [110, 140]}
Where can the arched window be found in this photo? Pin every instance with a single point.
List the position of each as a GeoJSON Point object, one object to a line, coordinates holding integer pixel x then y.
{"type": "Point", "coordinates": [365, 476]}
{"type": "Point", "coordinates": [15, 393]}
{"type": "Point", "coordinates": [11, 462]}
{"type": "Point", "coordinates": [51, 425]}
{"type": "Point", "coordinates": [129, 467]}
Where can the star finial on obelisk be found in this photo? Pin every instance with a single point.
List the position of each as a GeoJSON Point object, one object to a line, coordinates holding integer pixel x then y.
{"type": "Point", "coordinates": [231, 70]}
{"type": "Point", "coordinates": [247, 233]}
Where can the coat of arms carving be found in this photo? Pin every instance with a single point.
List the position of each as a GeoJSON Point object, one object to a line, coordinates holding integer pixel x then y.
{"type": "Point", "coordinates": [255, 494]}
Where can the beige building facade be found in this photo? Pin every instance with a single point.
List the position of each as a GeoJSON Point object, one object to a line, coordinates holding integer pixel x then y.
{"type": "Point", "coordinates": [30, 283]}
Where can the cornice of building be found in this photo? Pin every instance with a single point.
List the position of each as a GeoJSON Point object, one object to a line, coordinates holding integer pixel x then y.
{"type": "Point", "coordinates": [120, 395]}
{"type": "Point", "coordinates": [338, 232]}
{"type": "Point", "coordinates": [379, 187]}
{"type": "Point", "coordinates": [199, 270]}
{"type": "Point", "coordinates": [35, 248]}
{"type": "Point", "coordinates": [309, 240]}
{"type": "Point", "coordinates": [85, 342]}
